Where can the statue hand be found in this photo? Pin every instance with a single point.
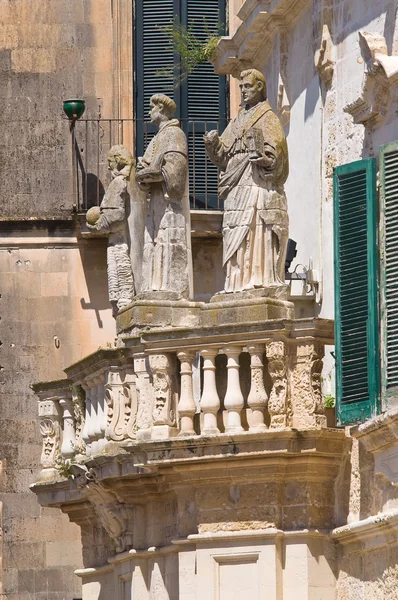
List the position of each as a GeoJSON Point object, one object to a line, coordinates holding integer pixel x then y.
{"type": "Point", "coordinates": [211, 138]}
{"type": "Point", "coordinates": [265, 161]}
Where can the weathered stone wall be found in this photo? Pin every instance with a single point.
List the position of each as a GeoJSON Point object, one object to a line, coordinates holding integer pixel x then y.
{"type": "Point", "coordinates": [54, 310]}
{"type": "Point", "coordinates": [50, 50]}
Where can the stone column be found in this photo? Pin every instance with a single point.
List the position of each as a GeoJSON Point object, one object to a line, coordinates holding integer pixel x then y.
{"type": "Point", "coordinates": [100, 421]}
{"type": "Point", "coordinates": [278, 400]}
{"type": "Point", "coordinates": [68, 438]}
{"type": "Point", "coordinates": [50, 430]}
{"type": "Point", "coordinates": [233, 400]}
{"type": "Point", "coordinates": [87, 417]}
{"type": "Point", "coordinates": [209, 402]}
{"type": "Point", "coordinates": [258, 398]}
{"type": "Point", "coordinates": [186, 405]}
{"type": "Point", "coordinates": [308, 411]}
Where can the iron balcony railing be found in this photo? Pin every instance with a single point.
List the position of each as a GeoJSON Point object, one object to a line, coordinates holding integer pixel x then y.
{"type": "Point", "coordinates": [93, 138]}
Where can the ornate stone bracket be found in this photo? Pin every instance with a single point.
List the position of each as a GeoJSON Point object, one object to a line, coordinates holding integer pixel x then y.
{"type": "Point", "coordinates": [163, 371]}
{"type": "Point", "coordinates": [381, 75]}
{"type": "Point", "coordinates": [115, 517]}
{"type": "Point", "coordinates": [324, 60]}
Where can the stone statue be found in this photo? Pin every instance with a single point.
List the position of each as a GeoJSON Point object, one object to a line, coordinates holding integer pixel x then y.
{"type": "Point", "coordinates": [252, 155]}
{"type": "Point", "coordinates": [111, 218]}
{"type": "Point", "coordinates": [163, 173]}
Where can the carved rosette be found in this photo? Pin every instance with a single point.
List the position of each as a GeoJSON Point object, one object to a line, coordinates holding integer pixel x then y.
{"type": "Point", "coordinates": [306, 390]}
{"type": "Point", "coordinates": [277, 368]}
{"type": "Point", "coordinates": [163, 373]}
{"type": "Point", "coordinates": [50, 430]}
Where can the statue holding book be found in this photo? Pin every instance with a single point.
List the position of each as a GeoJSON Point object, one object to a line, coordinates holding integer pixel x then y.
{"type": "Point", "coordinates": [163, 173]}
{"type": "Point", "coordinates": [253, 160]}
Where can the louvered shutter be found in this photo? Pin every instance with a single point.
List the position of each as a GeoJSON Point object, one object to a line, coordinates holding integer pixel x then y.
{"type": "Point", "coordinates": [356, 291]}
{"type": "Point", "coordinates": [201, 99]}
{"type": "Point", "coordinates": [152, 54]}
{"type": "Point", "coordinates": [203, 105]}
{"type": "Point", "coordinates": [389, 261]}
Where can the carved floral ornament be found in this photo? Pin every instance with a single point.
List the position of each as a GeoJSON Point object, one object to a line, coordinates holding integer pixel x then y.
{"type": "Point", "coordinates": [380, 77]}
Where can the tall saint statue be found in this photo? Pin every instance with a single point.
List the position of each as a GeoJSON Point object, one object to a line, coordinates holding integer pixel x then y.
{"type": "Point", "coordinates": [111, 218]}
{"type": "Point", "coordinates": [253, 160]}
{"type": "Point", "coordinates": [163, 173]}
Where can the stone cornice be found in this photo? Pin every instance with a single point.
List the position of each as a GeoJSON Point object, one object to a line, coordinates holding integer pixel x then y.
{"type": "Point", "coordinates": [368, 534]}
{"type": "Point", "coordinates": [96, 362]}
{"type": "Point", "coordinates": [260, 21]}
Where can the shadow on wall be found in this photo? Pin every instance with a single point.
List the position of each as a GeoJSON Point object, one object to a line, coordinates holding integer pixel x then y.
{"type": "Point", "coordinates": [93, 260]}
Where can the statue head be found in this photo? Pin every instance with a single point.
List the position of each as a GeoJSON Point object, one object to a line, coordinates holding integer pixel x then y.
{"type": "Point", "coordinates": [120, 161]}
{"type": "Point", "coordinates": [253, 88]}
{"type": "Point", "coordinates": [162, 108]}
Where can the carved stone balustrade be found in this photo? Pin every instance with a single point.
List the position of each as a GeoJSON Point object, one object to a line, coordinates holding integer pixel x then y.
{"type": "Point", "coordinates": [268, 378]}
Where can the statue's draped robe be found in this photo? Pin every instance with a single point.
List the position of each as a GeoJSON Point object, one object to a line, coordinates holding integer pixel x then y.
{"type": "Point", "coordinates": [167, 247]}
{"type": "Point", "coordinates": [113, 220]}
{"type": "Point", "coordinates": [255, 224]}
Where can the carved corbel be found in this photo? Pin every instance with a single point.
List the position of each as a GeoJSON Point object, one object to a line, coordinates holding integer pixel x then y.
{"type": "Point", "coordinates": [277, 368]}
{"type": "Point", "coordinates": [381, 74]}
{"type": "Point", "coordinates": [306, 390]}
{"type": "Point", "coordinates": [50, 429]}
{"type": "Point", "coordinates": [114, 516]}
{"type": "Point", "coordinates": [324, 61]}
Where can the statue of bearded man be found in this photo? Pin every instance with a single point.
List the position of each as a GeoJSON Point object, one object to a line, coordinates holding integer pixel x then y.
{"type": "Point", "coordinates": [253, 159]}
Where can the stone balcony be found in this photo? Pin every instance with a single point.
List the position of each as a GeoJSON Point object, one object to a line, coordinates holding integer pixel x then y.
{"type": "Point", "coordinates": [186, 383]}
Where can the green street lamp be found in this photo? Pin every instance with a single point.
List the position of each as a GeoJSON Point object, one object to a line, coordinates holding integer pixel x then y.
{"type": "Point", "coordinates": [74, 109]}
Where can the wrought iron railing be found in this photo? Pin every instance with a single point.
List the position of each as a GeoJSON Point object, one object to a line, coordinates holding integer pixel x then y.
{"type": "Point", "coordinates": [92, 139]}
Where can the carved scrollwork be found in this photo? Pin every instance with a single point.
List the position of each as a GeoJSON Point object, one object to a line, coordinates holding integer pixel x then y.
{"type": "Point", "coordinates": [277, 403]}
{"type": "Point", "coordinates": [79, 400]}
{"type": "Point", "coordinates": [307, 402]}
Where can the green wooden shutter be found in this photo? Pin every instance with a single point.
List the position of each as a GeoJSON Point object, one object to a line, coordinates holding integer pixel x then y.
{"type": "Point", "coordinates": [201, 100]}
{"type": "Point", "coordinates": [203, 104]}
{"type": "Point", "coordinates": [152, 54]}
{"type": "Point", "coordinates": [356, 291]}
{"type": "Point", "coordinates": [389, 272]}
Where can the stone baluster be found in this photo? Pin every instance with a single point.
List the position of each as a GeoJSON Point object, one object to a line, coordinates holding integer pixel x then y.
{"type": "Point", "coordinates": [209, 402]}
{"type": "Point", "coordinates": [50, 430]}
{"type": "Point", "coordinates": [233, 400]}
{"type": "Point", "coordinates": [257, 399]}
{"type": "Point", "coordinates": [186, 404]}
{"type": "Point", "coordinates": [68, 439]}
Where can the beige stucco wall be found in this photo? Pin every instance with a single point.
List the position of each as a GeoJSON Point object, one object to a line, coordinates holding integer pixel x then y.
{"type": "Point", "coordinates": [54, 311]}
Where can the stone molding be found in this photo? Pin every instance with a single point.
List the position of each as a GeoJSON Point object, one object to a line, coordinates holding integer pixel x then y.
{"type": "Point", "coordinates": [127, 486]}
{"type": "Point", "coordinates": [324, 59]}
{"type": "Point", "coordinates": [369, 534]}
{"type": "Point", "coordinates": [380, 437]}
{"type": "Point", "coordinates": [262, 20]}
